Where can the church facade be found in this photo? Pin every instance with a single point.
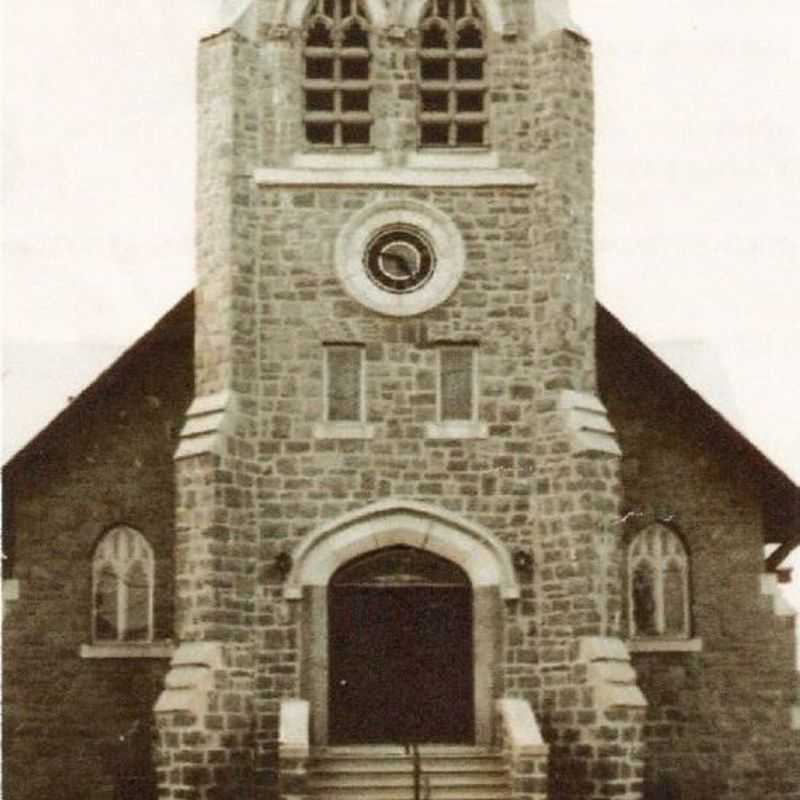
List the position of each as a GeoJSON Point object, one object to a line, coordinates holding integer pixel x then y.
{"type": "Point", "coordinates": [390, 508]}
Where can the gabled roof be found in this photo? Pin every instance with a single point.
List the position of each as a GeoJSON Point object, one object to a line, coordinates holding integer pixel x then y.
{"type": "Point", "coordinates": [175, 326]}
{"type": "Point", "coordinates": [621, 350]}
{"type": "Point", "coordinates": [616, 345]}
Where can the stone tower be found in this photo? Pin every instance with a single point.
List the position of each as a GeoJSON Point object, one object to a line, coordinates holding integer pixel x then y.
{"type": "Point", "coordinates": [398, 494]}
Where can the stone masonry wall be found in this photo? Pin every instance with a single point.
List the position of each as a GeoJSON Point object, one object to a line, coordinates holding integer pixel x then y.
{"type": "Point", "coordinates": [719, 720]}
{"type": "Point", "coordinates": [268, 300]}
{"type": "Point", "coordinates": [63, 716]}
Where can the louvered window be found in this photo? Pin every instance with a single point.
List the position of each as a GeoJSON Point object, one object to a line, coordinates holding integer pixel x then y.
{"type": "Point", "coordinates": [658, 577]}
{"type": "Point", "coordinates": [344, 379]}
{"type": "Point", "coordinates": [122, 581]}
{"type": "Point", "coordinates": [457, 383]}
{"type": "Point", "coordinates": [452, 75]}
{"type": "Point", "coordinates": [337, 74]}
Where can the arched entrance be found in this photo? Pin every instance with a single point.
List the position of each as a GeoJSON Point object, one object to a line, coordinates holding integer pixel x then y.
{"type": "Point", "coordinates": [458, 546]}
{"type": "Point", "coordinates": [400, 650]}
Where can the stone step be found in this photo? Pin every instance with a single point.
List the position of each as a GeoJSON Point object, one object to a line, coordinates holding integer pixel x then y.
{"type": "Point", "coordinates": [434, 793]}
{"type": "Point", "coordinates": [355, 769]}
{"type": "Point", "coordinates": [355, 778]}
{"type": "Point", "coordinates": [390, 764]}
{"type": "Point", "coordinates": [432, 750]}
{"type": "Point", "coordinates": [386, 772]}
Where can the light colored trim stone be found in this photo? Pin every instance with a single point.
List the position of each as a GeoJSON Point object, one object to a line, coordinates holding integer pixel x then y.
{"type": "Point", "coordinates": [294, 13]}
{"type": "Point", "coordinates": [238, 15]}
{"type": "Point", "coordinates": [452, 159]}
{"type": "Point", "coordinates": [208, 419]}
{"type": "Point", "coordinates": [163, 649]}
{"type": "Point", "coordinates": [190, 679]}
{"type": "Point", "coordinates": [398, 176]}
{"type": "Point", "coordinates": [10, 593]}
{"type": "Point", "coordinates": [770, 587]}
{"type": "Point", "coordinates": [208, 654]}
{"type": "Point", "coordinates": [358, 231]}
{"type": "Point", "coordinates": [586, 420]}
{"type": "Point", "coordinates": [390, 522]}
{"type": "Point", "coordinates": [553, 15]}
{"type": "Point", "coordinates": [665, 645]}
{"type": "Point", "coordinates": [499, 14]}
{"type": "Point", "coordinates": [293, 733]}
{"type": "Point", "coordinates": [344, 430]}
{"type": "Point", "coordinates": [610, 673]}
{"type": "Point", "coordinates": [603, 648]}
{"type": "Point", "coordinates": [795, 717]}
{"type": "Point", "coordinates": [521, 728]}
{"type": "Point", "coordinates": [338, 160]}
{"type": "Point", "coordinates": [456, 429]}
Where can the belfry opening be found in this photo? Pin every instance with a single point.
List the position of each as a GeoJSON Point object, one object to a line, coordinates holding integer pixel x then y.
{"type": "Point", "coordinates": [400, 650]}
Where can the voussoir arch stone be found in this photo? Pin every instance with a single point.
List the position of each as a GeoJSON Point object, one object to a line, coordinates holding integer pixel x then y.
{"type": "Point", "coordinates": [388, 523]}
{"type": "Point", "coordinates": [295, 11]}
{"type": "Point", "coordinates": [497, 14]}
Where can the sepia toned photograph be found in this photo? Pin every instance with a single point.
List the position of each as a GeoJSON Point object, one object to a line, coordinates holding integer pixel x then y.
{"type": "Point", "coordinates": [400, 400]}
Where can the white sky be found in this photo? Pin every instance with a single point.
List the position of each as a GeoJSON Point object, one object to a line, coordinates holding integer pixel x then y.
{"type": "Point", "coordinates": [698, 169]}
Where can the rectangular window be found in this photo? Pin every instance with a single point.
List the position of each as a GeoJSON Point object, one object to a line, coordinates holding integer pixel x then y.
{"type": "Point", "coordinates": [457, 383]}
{"type": "Point", "coordinates": [344, 383]}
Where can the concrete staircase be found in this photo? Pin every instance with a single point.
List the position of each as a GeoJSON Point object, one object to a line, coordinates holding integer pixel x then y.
{"type": "Point", "coordinates": [386, 772]}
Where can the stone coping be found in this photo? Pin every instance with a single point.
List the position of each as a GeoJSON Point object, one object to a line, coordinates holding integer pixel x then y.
{"type": "Point", "coordinates": [161, 649]}
{"type": "Point", "coordinates": [521, 727]}
{"type": "Point", "coordinates": [294, 728]}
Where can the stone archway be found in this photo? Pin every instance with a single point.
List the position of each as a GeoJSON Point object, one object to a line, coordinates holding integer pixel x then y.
{"type": "Point", "coordinates": [478, 554]}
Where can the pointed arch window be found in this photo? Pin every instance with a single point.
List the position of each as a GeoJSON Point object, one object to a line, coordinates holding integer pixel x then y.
{"type": "Point", "coordinates": [658, 584]}
{"type": "Point", "coordinates": [122, 587]}
{"type": "Point", "coordinates": [452, 75]}
{"type": "Point", "coordinates": [337, 74]}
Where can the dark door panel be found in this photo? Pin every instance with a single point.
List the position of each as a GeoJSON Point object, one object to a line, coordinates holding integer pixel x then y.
{"type": "Point", "coordinates": [400, 663]}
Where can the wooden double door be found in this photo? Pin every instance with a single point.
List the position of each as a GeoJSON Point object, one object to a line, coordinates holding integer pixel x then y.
{"type": "Point", "coordinates": [400, 650]}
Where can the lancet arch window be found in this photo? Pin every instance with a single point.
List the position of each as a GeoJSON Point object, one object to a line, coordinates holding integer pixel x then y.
{"type": "Point", "coordinates": [452, 75]}
{"type": "Point", "coordinates": [122, 587]}
{"type": "Point", "coordinates": [337, 74]}
{"type": "Point", "coordinates": [658, 584]}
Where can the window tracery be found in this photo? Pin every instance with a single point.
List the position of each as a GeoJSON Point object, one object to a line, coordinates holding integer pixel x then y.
{"type": "Point", "coordinates": [337, 74]}
{"type": "Point", "coordinates": [658, 581]}
{"type": "Point", "coordinates": [452, 75]}
{"type": "Point", "coordinates": [122, 587]}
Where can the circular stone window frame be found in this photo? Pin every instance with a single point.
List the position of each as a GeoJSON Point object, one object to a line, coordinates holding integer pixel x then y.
{"type": "Point", "coordinates": [363, 227]}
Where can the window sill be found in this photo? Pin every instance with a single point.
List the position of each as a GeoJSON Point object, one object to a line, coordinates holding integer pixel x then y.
{"type": "Point", "coordinates": [453, 159]}
{"type": "Point", "coordinates": [10, 589]}
{"type": "Point", "coordinates": [336, 159]}
{"type": "Point", "coordinates": [457, 429]}
{"type": "Point", "coordinates": [665, 645]}
{"type": "Point", "coordinates": [162, 649]}
{"type": "Point", "coordinates": [344, 430]}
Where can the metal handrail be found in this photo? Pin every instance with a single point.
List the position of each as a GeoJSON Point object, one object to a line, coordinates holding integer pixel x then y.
{"type": "Point", "coordinates": [413, 750]}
